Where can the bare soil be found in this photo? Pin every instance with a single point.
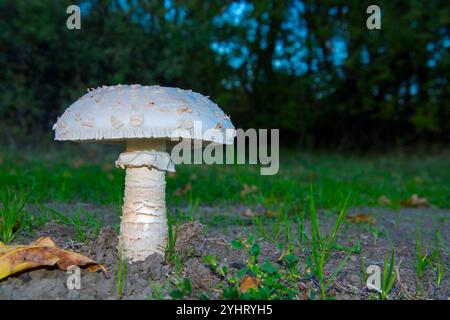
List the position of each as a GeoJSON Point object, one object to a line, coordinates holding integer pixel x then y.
{"type": "Point", "coordinates": [154, 278]}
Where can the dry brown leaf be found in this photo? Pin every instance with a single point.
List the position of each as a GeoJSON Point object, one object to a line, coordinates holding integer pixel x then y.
{"type": "Point", "coordinates": [271, 213]}
{"type": "Point", "coordinates": [384, 201]}
{"type": "Point", "coordinates": [246, 189]}
{"type": "Point", "coordinates": [183, 190]}
{"type": "Point", "coordinates": [415, 202]}
{"type": "Point", "coordinates": [361, 218]}
{"type": "Point", "coordinates": [77, 163]}
{"type": "Point", "coordinates": [107, 167]}
{"type": "Point", "coordinates": [247, 283]}
{"type": "Point", "coordinates": [40, 253]}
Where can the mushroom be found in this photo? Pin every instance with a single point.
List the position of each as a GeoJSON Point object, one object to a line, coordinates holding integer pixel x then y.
{"type": "Point", "coordinates": [121, 114]}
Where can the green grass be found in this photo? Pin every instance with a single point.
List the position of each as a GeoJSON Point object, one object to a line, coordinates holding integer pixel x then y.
{"type": "Point", "coordinates": [121, 273]}
{"type": "Point", "coordinates": [272, 281]}
{"type": "Point", "coordinates": [78, 176]}
{"type": "Point", "coordinates": [12, 214]}
{"type": "Point", "coordinates": [422, 258]}
{"type": "Point", "coordinates": [42, 178]}
{"type": "Point", "coordinates": [438, 261]}
{"type": "Point", "coordinates": [170, 254]}
{"type": "Point", "coordinates": [322, 246]}
{"type": "Point", "coordinates": [388, 277]}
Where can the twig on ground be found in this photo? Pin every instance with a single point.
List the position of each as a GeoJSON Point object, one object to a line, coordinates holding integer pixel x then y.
{"type": "Point", "coordinates": [402, 287]}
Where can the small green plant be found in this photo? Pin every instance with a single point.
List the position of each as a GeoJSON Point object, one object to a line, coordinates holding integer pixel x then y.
{"type": "Point", "coordinates": [213, 264]}
{"type": "Point", "coordinates": [437, 260]}
{"type": "Point", "coordinates": [193, 205]}
{"type": "Point", "coordinates": [156, 291]}
{"type": "Point", "coordinates": [12, 214]}
{"type": "Point", "coordinates": [172, 236]}
{"type": "Point", "coordinates": [269, 281]}
{"type": "Point", "coordinates": [59, 216]}
{"type": "Point", "coordinates": [287, 227]}
{"type": "Point", "coordinates": [78, 223]}
{"type": "Point", "coordinates": [389, 275]}
{"type": "Point", "coordinates": [121, 272]}
{"type": "Point", "coordinates": [301, 236]}
{"type": "Point", "coordinates": [422, 259]}
{"type": "Point", "coordinates": [93, 222]}
{"type": "Point", "coordinates": [43, 217]}
{"type": "Point", "coordinates": [322, 246]}
{"type": "Point", "coordinates": [258, 220]}
{"type": "Point", "coordinates": [183, 288]}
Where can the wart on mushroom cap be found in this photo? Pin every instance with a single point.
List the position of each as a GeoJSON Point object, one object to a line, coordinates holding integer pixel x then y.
{"type": "Point", "coordinates": [143, 118]}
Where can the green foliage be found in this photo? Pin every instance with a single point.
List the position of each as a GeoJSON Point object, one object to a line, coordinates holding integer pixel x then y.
{"type": "Point", "coordinates": [172, 236]}
{"type": "Point", "coordinates": [333, 82]}
{"type": "Point", "coordinates": [389, 275]}
{"type": "Point", "coordinates": [422, 258]}
{"type": "Point", "coordinates": [271, 280]}
{"type": "Point", "coordinates": [183, 289]}
{"type": "Point", "coordinates": [55, 179]}
{"type": "Point", "coordinates": [156, 291]}
{"type": "Point", "coordinates": [121, 272]}
{"type": "Point", "coordinates": [12, 214]}
{"type": "Point", "coordinates": [437, 260]}
{"type": "Point", "coordinates": [322, 246]}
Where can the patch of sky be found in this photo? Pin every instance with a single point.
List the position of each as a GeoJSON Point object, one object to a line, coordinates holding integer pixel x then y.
{"type": "Point", "coordinates": [365, 56]}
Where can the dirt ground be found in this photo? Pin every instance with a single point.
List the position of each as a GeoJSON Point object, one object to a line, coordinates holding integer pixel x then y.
{"type": "Point", "coordinates": [153, 278]}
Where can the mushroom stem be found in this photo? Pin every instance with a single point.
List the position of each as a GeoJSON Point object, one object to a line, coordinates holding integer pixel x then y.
{"type": "Point", "coordinates": [143, 228]}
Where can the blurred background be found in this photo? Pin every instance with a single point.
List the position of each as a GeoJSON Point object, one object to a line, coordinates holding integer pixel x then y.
{"type": "Point", "coordinates": [309, 68]}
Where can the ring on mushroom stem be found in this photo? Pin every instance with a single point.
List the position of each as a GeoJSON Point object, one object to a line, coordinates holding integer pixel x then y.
{"type": "Point", "coordinates": [121, 114]}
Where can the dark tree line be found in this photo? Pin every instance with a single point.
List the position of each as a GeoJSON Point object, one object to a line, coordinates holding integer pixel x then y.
{"type": "Point", "coordinates": [310, 68]}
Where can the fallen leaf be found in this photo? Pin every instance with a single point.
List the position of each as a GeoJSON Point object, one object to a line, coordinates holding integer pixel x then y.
{"type": "Point", "coordinates": [271, 213]}
{"type": "Point", "coordinates": [361, 218]}
{"type": "Point", "coordinates": [42, 252]}
{"type": "Point", "coordinates": [415, 202]}
{"type": "Point", "coordinates": [384, 201]}
{"type": "Point", "coordinates": [247, 283]}
{"type": "Point", "coordinates": [107, 167]}
{"type": "Point", "coordinates": [183, 190]}
{"type": "Point", "coordinates": [250, 213]}
{"type": "Point", "coordinates": [77, 163]}
{"type": "Point", "coordinates": [246, 189]}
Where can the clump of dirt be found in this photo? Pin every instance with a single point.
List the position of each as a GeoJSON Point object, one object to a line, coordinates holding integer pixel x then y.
{"type": "Point", "coordinates": [152, 268]}
{"type": "Point", "coordinates": [201, 277]}
{"type": "Point", "coordinates": [190, 238]}
{"type": "Point", "coordinates": [104, 247]}
{"type": "Point", "coordinates": [191, 247]}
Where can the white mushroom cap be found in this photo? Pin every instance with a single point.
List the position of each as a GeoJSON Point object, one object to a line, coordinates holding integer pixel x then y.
{"type": "Point", "coordinates": [124, 112]}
